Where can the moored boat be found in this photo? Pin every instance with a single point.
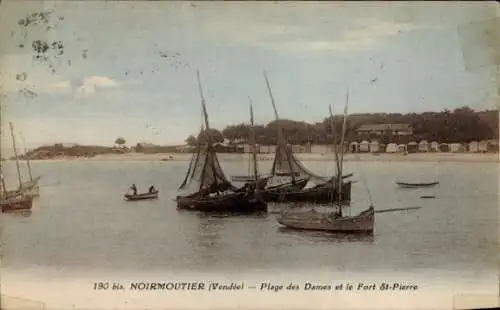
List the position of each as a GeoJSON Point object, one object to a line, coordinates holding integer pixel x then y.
{"type": "Point", "coordinates": [142, 196]}
{"type": "Point", "coordinates": [416, 184]}
{"type": "Point", "coordinates": [16, 203]}
{"type": "Point", "coordinates": [332, 221]}
{"type": "Point", "coordinates": [212, 190]}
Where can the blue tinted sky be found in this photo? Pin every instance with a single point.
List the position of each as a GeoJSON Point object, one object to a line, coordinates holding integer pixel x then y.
{"type": "Point", "coordinates": [394, 57]}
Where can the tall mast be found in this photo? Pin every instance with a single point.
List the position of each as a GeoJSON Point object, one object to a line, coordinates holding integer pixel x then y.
{"type": "Point", "coordinates": [280, 131]}
{"type": "Point", "coordinates": [207, 133]}
{"type": "Point", "coordinates": [27, 159]}
{"type": "Point", "coordinates": [339, 179]}
{"type": "Point", "coordinates": [335, 150]}
{"type": "Point", "coordinates": [253, 142]}
{"type": "Point", "coordinates": [15, 154]}
{"type": "Point", "coordinates": [3, 190]}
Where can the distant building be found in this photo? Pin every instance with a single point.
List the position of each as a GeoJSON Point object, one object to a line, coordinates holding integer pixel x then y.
{"type": "Point", "coordinates": [384, 129]}
{"type": "Point", "coordinates": [412, 147]}
{"type": "Point", "coordinates": [392, 148]}
{"type": "Point", "coordinates": [434, 146]}
{"type": "Point", "coordinates": [364, 146]}
{"type": "Point", "coordinates": [374, 146]}
{"type": "Point", "coordinates": [474, 147]}
{"type": "Point", "coordinates": [423, 146]}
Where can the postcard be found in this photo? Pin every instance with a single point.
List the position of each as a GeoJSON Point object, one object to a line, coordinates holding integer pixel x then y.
{"type": "Point", "coordinates": [249, 155]}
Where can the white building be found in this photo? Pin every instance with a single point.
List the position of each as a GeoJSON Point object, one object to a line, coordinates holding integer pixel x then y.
{"type": "Point", "coordinates": [392, 148]}
{"type": "Point", "coordinates": [374, 146]}
{"type": "Point", "coordinates": [364, 146]}
{"type": "Point", "coordinates": [423, 146]}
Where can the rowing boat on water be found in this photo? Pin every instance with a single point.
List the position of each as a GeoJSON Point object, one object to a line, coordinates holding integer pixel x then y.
{"type": "Point", "coordinates": [142, 196]}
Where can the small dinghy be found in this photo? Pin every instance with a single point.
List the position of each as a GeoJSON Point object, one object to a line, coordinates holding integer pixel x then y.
{"type": "Point", "coordinates": [416, 184]}
{"type": "Point", "coordinates": [427, 196]}
{"type": "Point", "coordinates": [142, 196]}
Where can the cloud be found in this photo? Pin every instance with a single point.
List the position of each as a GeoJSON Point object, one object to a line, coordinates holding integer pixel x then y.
{"type": "Point", "coordinates": [85, 87]}
{"type": "Point", "coordinates": [358, 38]}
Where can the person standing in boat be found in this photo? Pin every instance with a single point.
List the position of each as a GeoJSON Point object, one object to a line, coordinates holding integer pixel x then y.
{"type": "Point", "coordinates": [134, 189]}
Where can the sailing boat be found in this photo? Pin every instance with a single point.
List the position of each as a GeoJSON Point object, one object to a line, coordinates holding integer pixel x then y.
{"type": "Point", "coordinates": [251, 177]}
{"type": "Point", "coordinates": [13, 200]}
{"type": "Point", "coordinates": [285, 164]}
{"type": "Point", "coordinates": [30, 187]}
{"type": "Point", "coordinates": [331, 221]}
{"type": "Point", "coordinates": [214, 193]}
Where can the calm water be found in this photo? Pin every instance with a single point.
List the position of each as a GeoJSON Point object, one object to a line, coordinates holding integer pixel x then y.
{"type": "Point", "coordinates": [81, 222]}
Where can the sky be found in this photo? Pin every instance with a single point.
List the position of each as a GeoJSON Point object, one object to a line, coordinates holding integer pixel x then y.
{"type": "Point", "coordinates": [129, 68]}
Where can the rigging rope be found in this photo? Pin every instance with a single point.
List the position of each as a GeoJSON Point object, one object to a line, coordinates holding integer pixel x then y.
{"type": "Point", "coordinates": [364, 182]}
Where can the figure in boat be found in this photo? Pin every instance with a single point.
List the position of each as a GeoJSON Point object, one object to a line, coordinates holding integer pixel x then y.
{"type": "Point", "coordinates": [152, 189]}
{"type": "Point", "coordinates": [134, 189]}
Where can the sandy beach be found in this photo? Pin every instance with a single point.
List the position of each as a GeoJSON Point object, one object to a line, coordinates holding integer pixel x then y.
{"type": "Point", "coordinates": [306, 157]}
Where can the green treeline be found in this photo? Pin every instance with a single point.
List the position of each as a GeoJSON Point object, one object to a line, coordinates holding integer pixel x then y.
{"type": "Point", "coordinates": [461, 125]}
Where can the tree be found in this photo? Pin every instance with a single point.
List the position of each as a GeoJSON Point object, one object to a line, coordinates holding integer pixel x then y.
{"type": "Point", "coordinates": [120, 141]}
{"type": "Point", "coordinates": [191, 140]}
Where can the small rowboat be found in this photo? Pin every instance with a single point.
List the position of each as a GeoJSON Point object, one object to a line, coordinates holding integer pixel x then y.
{"type": "Point", "coordinates": [416, 185]}
{"type": "Point", "coordinates": [143, 196]}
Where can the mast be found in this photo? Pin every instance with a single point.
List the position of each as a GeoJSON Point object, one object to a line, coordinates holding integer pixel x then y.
{"type": "Point", "coordinates": [207, 125]}
{"type": "Point", "coordinates": [27, 159]}
{"type": "Point", "coordinates": [339, 178]}
{"type": "Point", "coordinates": [17, 158]}
{"type": "Point", "coordinates": [280, 132]}
{"type": "Point", "coordinates": [3, 190]}
{"type": "Point", "coordinates": [252, 140]}
{"type": "Point", "coordinates": [335, 150]}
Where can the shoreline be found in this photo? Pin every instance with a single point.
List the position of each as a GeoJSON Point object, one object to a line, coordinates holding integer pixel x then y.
{"type": "Point", "coordinates": [305, 157]}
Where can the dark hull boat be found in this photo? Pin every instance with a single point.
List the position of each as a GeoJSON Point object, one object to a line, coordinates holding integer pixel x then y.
{"type": "Point", "coordinates": [323, 193]}
{"type": "Point", "coordinates": [142, 196]}
{"type": "Point", "coordinates": [207, 187]}
{"type": "Point", "coordinates": [17, 203]}
{"type": "Point", "coordinates": [416, 185]}
{"type": "Point", "coordinates": [231, 203]}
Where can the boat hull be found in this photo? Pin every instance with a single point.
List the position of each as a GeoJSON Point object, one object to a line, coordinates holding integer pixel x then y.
{"type": "Point", "coordinates": [24, 202]}
{"type": "Point", "coordinates": [144, 196]}
{"type": "Point", "coordinates": [361, 223]}
{"type": "Point", "coordinates": [416, 185]}
{"type": "Point", "coordinates": [233, 203]}
{"type": "Point", "coordinates": [323, 193]}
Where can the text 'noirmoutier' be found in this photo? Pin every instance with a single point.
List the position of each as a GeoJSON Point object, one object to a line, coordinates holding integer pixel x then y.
{"type": "Point", "coordinates": [263, 286]}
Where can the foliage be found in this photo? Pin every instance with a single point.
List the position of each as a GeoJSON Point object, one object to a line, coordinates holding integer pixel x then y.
{"type": "Point", "coordinates": [461, 125]}
{"type": "Point", "coordinates": [120, 141]}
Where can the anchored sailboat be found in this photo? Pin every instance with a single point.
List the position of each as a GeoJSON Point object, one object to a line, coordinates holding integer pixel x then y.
{"type": "Point", "coordinates": [212, 191]}
{"type": "Point", "coordinates": [18, 199]}
{"type": "Point", "coordinates": [292, 177]}
{"type": "Point", "coordinates": [331, 221]}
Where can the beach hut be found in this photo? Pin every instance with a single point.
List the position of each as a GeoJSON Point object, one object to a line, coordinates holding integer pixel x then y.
{"type": "Point", "coordinates": [444, 147]}
{"type": "Point", "coordinates": [354, 147]}
{"type": "Point", "coordinates": [492, 146]}
{"type": "Point", "coordinates": [392, 148]}
{"type": "Point", "coordinates": [474, 147]}
{"type": "Point", "coordinates": [423, 146]}
{"type": "Point", "coordinates": [434, 147]}
{"type": "Point", "coordinates": [412, 147]}
{"type": "Point", "coordinates": [364, 146]}
{"type": "Point", "coordinates": [381, 148]}
{"type": "Point", "coordinates": [454, 147]}
{"type": "Point", "coordinates": [402, 148]}
{"type": "Point", "coordinates": [482, 146]}
{"type": "Point", "coordinates": [374, 146]}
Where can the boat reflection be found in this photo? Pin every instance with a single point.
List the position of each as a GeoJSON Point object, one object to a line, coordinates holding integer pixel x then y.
{"type": "Point", "coordinates": [325, 236]}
